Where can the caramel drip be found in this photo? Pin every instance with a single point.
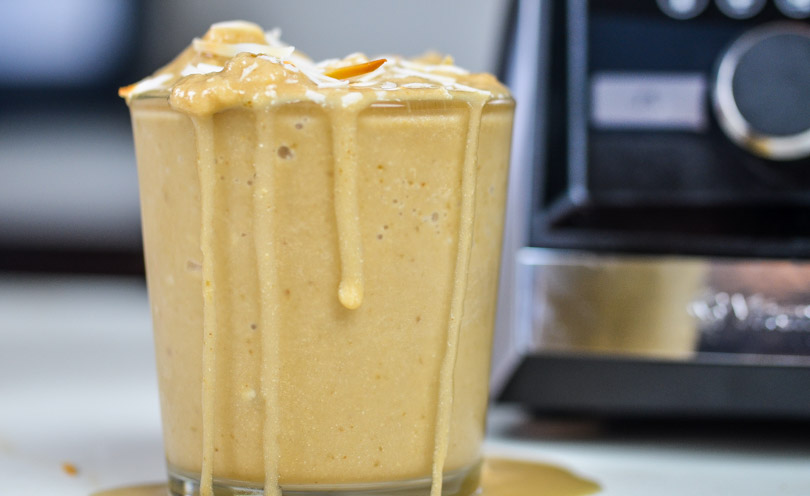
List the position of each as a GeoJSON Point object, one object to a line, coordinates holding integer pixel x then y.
{"type": "Point", "coordinates": [206, 170]}
{"type": "Point", "coordinates": [444, 407]}
{"type": "Point", "coordinates": [347, 213]}
{"type": "Point", "coordinates": [264, 221]}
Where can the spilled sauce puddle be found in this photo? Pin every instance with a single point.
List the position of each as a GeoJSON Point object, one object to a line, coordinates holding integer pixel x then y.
{"type": "Point", "coordinates": [499, 477]}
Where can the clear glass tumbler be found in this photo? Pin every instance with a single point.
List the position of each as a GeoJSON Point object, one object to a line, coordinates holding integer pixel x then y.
{"type": "Point", "coordinates": [323, 324]}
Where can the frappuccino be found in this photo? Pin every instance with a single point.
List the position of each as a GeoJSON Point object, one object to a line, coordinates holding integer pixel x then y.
{"type": "Point", "coordinates": [322, 243]}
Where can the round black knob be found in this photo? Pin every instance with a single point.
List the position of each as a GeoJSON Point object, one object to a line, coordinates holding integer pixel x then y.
{"type": "Point", "coordinates": [762, 91]}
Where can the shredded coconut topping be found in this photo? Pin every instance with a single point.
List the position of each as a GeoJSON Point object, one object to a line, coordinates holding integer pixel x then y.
{"type": "Point", "coordinates": [322, 80]}
{"type": "Point", "coordinates": [217, 53]}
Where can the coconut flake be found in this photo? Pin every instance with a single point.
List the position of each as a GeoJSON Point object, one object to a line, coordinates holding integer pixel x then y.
{"type": "Point", "coordinates": [247, 70]}
{"type": "Point", "coordinates": [273, 38]}
{"type": "Point", "coordinates": [433, 68]}
{"type": "Point", "coordinates": [326, 63]}
{"type": "Point", "coordinates": [155, 83]}
{"type": "Point", "coordinates": [232, 49]}
{"type": "Point", "coordinates": [234, 25]}
{"type": "Point", "coordinates": [417, 86]}
{"type": "Point", "coordinates": [201, 68]}
{"type": "Point", "coordinates": [315, 96]}
{"type": "Point", "coordinates": [379, 71]}
{"type": "Point", "coordinates": [322, 80]}
{"type": "Point", "coordinates": [464, 87]}
{"type": "Point", "coordinates": [350, 98]}
{"type": "Point", "coordinates": [443, 80]}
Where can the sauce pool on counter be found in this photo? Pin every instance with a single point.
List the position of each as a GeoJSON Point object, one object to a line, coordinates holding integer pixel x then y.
{"type": "Point", "coordinates": [499, 477]}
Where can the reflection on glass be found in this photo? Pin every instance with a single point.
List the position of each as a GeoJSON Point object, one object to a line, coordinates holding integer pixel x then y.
{"type": "Point", "coordinates": [668, 307]}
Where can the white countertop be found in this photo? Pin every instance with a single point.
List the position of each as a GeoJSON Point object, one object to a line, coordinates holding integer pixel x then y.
{"type": "Point", "coordinates": [77, 385]}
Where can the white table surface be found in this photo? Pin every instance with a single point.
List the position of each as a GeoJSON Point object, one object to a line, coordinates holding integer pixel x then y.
{"type": "Point", "coordinates": [77, 385]}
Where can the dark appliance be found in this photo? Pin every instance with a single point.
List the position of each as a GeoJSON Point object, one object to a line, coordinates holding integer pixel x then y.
{"type": "Point", "coordinates": [659, 218]}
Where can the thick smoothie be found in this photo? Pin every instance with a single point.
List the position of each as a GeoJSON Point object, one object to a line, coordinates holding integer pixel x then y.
{"type": "Point", "coordinates": [322, 244]}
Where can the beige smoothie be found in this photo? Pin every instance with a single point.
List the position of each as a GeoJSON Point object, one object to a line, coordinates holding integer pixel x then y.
{"type": "Point", "coordinates": [322, 244]}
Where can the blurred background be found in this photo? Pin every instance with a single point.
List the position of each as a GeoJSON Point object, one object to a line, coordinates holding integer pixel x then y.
{"type": "Point", "coordinates": [657, 215]}
{"type": "Point", "coordinates": [655, 259]}
{"type": "Point", "coordinates": [68, 198]}
{"type": "Point", "coordinates": [78, 389]}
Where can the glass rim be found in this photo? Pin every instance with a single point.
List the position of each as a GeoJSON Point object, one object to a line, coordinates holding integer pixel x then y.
{"type": "Point", "coordinates": [500, 100]}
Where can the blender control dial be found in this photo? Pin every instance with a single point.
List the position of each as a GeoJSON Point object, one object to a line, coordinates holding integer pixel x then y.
{"type": "Point", "coordinates": [762, 91]}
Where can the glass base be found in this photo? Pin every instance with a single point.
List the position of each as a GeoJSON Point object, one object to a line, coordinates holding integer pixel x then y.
{"type": "Point", "coordinates": [461, 482]}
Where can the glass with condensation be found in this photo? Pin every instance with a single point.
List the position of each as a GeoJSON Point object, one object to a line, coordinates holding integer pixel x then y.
{"type": "Point", "coordinates": [323, 291]}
